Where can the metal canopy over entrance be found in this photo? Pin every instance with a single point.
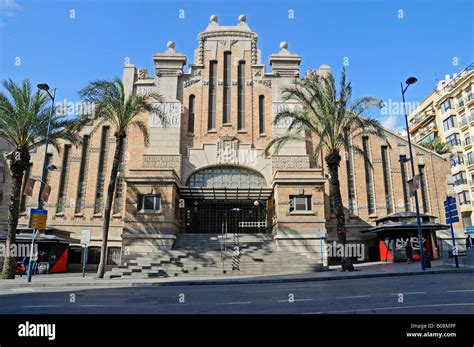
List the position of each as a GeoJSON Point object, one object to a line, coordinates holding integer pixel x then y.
{"type": "Point", "coordinates": [225, 194]}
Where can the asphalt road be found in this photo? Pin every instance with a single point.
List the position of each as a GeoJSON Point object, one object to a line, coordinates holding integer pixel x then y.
{"type": "Point", "coordinates": [442, 294]}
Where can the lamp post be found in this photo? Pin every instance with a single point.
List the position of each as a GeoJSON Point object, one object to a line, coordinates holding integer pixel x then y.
{"type": "Point", "coordinates": [409, 81]}
{"type": "Point", "coordinates": [258, 203]}
{"type": "Point", "coordinates": [224, 235]}
{"type": "Point", "coordinates": [44, 87]}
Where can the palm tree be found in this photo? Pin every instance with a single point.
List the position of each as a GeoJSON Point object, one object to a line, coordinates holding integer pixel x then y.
{"type": "Point", "coordinates": [112, 105]}
{"type": "Point", "coordinates": [23, 124]}
{"type": "Point", "coordinates": [438, 146]}
{"type": "Point", "coordinates": [328, 120]}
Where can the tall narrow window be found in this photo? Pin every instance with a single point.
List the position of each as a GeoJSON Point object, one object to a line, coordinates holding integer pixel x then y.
{"type": "Point", "coordinates": [261, 114]}
{"type": "Point", "coordinates": [118, 200]}
{"type": "Point", "coordinates": [241, 96]}
{"type": "Point", "coordinates": [368, 176]}
{"type": "Point", "coordinates": [191, 114]}
{"type": "Point", "coordinates": [406, 194]}
{"type": "Point", "coordinates": [386, 180]}
{"type": "Point", "coordinates": [118, 196]}
{"type": "Point", "coordinates": [351, 179]}
{"type": "Point", "coordinates": [23, 196]}
{"type": "Point", "coordinates": [227, 84]}
{"type": "Point", "coordinates": [424, 188]}
{"type": "Point", "coordinates": [81, 186]}
{"type": "Point", "coordinates": [211, 121]}
{"type": "Point", "coordinates": [48, 161]}
{"type": "Point", "coordinates": [63, 179]}
{"type": "Point", "coordinates": [99, 192]}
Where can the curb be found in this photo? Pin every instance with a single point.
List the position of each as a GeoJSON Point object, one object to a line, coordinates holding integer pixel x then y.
{"type": "Point", "coordinates": [229, 281]}
{"type": "Point", "coordinates": [309, 279]}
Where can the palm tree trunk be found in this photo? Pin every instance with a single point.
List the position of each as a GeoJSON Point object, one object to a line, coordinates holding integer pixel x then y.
{"type": "Point", "coordinates": [333, 160]}
{"type": "Point", "coordinates": [108, 205]}
{"type": "Point", "coordinates": [17, 169]}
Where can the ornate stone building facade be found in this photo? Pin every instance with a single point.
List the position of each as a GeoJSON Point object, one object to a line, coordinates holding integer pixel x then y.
{"type": "Point", "coordinates": [207, 161]}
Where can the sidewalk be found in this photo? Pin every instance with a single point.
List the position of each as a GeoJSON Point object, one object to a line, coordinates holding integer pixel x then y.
{"type": "Point", "coordinates": [366, 270]}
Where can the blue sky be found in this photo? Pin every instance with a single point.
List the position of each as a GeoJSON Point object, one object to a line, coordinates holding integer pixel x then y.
{"type": "Point", "coordinates": [383, 42]}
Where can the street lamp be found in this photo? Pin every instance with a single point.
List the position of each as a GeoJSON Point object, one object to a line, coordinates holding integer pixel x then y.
{"type": "Point", "coordinates": [408, 82]}
{"type": "Point", "coordinates": [43, 87]}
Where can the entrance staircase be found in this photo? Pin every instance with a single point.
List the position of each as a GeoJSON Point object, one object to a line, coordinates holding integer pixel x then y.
{"type": "Point", "coordinates": [216, 255]}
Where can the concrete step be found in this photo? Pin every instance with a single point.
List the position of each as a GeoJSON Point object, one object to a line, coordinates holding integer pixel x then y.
{"type": "Point", "coordinates": [201, 255]}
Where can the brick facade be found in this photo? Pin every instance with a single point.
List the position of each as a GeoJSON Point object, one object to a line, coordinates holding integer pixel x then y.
{"type": "Point", "coordinates": [174, 155]}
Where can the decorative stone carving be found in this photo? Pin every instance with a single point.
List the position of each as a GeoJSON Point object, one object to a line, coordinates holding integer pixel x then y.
{"type": "Point", "coordinates": [190, 83]}
{"type": "Point", "coordinates": [266, 83]}
{"type": "Point", "coordinates": [377, 160]}
{"type": "Point", "coordinates": [205, 82]}
{"type": "Point", "coordinates": [278, 107]}
{"type": "Point", "coordinates": [162, 161]}
{"type": "Point", "coordinates": [254, 50]}
{"type": "Point", "coordinates": [232, 33]}
{"type": "Point", "coordinates": [235, 82]}
{"type": "Point", "coordinates": [201, 50]}
{"type": "Point", "coordinates": [249, 83]}
{"type": "Point", "coordinates": [281, 162]}
{"type": "Point", "coordinates": [220, 83]}
{"type": "Point", "coordinates": [396, 170]}
{"type": "Point", "coordinates": [197, 72]}
{"type": "Point", "coordinates": [146, 90]}
{"type": "Point", "coordinates": [257, 73]}
{"type": "Point", "coordinates": [143, 74]}
{"type": "Point", "coordinates": [171, 112]}
{"type": "Point", "coordinates": [227, 150]}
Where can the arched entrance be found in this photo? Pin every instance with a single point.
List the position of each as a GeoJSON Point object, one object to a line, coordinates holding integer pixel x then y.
{"type": "Point", "coordinates": [226, 197]}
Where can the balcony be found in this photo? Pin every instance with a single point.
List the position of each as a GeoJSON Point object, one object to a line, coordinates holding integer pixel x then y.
{"type": "Point", "coordinates": [470, 100]}
{"type": "Point", "coordinates": [470, 165]}
{"type": "Point", "coordinates": [459, 166]}
{"type": "Point", "coordinates": [461, 107]}
{"type": "Point", "coordinates": [460, 182]}
{"type": "Point", "coordinates": [424, 132]}
{"type": "Point", "coordinates": [460, 185]}
{"type": "Point", "coordinates": [455, 143]}
{"type": "Point", "coordinates": [421, 119]}
{"type": "Point", "coordinates": [464, 123]}
{"type": "Point", "coordinates": [449, 112]}
{"type": "Point", "coordinates": [466, 207]}
{"type": "Point", "coordinates": [468, 142]}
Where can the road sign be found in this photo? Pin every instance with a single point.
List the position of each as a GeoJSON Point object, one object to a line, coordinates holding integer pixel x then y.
{"type": "Point", "coordinates": [452, 217]}
{"type": "Point", "coordinates": [452, 220]}
{"type": "Point", "coordinates": [38, 219]}
{"type": "Point", "coordinates": [470, 229]}
{"type": "Point", "coordinates": [85, 237]}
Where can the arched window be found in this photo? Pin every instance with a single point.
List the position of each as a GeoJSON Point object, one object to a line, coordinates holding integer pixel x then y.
{"type": "Point", "coordinates": [191, 114]}
{"type": "Point", "coordinates": [226, 177]}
